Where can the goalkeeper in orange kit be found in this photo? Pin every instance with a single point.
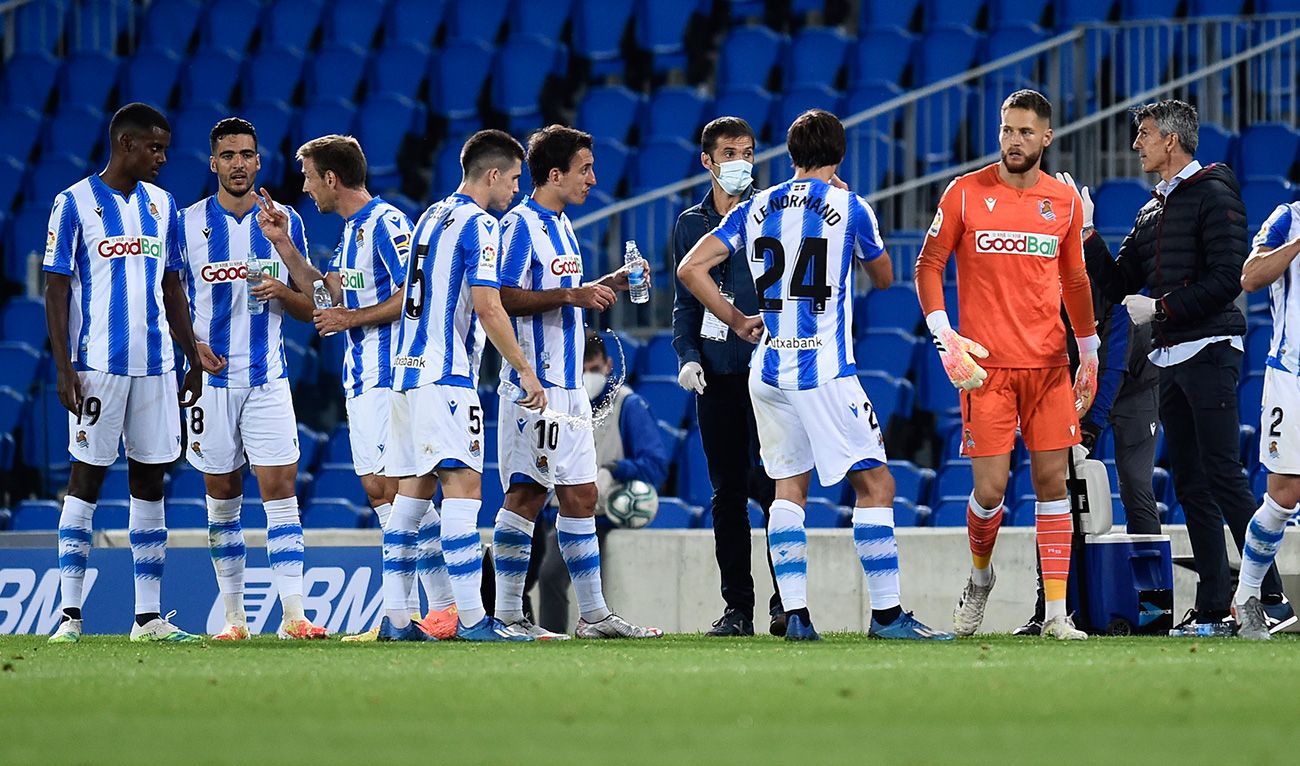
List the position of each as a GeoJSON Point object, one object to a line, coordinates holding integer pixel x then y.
{"type": "Point", "coordinates": [1017, 234]}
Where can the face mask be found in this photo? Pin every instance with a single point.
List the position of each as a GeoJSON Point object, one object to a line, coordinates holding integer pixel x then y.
{"type": "Point", "coordinates": [735, 176]}
{"type": "Point", "coordinates": [594, 382]}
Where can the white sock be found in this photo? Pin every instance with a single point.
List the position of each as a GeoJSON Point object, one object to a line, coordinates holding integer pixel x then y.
{"type": "Point", "coordinates": [148, 535]}
{"type": "Point", "coordinates": [430, 565]}
{"type": "Point", "coordinates": [229, 554]}
{"type": "Point", "coordinates": [1263, 538]}
{"type": "Point", "coordinates": [383, 512]}
{"type": "Point", "coordinates": [788, 542]}
{"type": "Point", "coordinates": [512, 549]}
{"type": "Point", "coordinates": [284, 549]}
{"type": "Point", "coordinates": [75, 537]}
{"type": "Point", "coordinates": [581, 552]}
{"type": "Point", "coordinates": [463, 550]}
{"type": "Point", "coordinates": [873, 536]}
{"type": "Point", "coordinates": [400, 542]}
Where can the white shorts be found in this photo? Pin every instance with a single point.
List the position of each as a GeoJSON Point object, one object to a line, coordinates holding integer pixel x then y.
{"type": "Point", "coordinates": [227, 422]}
{"type": "Point", "coordinates": [1279, 426]}
{"type": "Point", "coordinates": [832, 427]}
{"type": "Point", "coordinates": [368, 418]}
{"type": "Point", "coordinates": [550, 453]}
{"type": "Point", "coordinates": [142, 411]}
{"type": "Point", "coordinates": [432, 427]}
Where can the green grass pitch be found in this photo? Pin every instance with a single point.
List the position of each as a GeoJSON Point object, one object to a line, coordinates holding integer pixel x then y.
{"type": "Point", "coordinates": [679, 700]}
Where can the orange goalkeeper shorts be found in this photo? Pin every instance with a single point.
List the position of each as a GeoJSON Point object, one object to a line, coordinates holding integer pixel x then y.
{"type": "Point", "coordinates": [1040, 401]}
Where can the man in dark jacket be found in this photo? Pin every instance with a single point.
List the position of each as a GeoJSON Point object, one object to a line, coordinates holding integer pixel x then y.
{"type": "Point", "coordinates": [1186, 251]}
{"type": "Point", "coordinates": [714, 363]}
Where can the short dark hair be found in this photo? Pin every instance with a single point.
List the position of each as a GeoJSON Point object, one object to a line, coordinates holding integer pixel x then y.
{"type": "Point", "coordinates": [488, 149]}
{"type": "Point", "coordinates": [1173, 116]}
{"type": "Point", "coordinates": [231, 126]}
{"type": "Point", "coordinates": [724, 127]}
{"type": "Point", "coordinates": [1029, 99]}
{"type": "Point", "coordinates": [595, 347]}
{"type": "Point", "coordinates": [138, 118]}
{"type": "Point", "coordinates": [340, 154]}
{"type": "Point", "coordinates": [554, 147]}
{"type": "Point", "coordinates": [816, 140]}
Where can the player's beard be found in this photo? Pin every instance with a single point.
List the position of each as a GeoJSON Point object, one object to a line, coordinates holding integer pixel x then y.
{"type": "Point", "coordinates": [235, 193]}
{"type": "Point", "coordinates": [1023, 165]}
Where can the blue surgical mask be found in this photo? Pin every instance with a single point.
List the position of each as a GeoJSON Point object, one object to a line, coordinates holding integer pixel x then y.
{"type": "Point", "coordinates": [735, 176]}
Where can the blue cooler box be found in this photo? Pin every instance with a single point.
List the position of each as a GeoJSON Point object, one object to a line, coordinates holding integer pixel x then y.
{"type": "Point", "coordinates": [1128, 585]}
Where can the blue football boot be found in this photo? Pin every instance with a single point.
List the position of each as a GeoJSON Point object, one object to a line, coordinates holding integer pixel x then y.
{"type": "Point", "coordinates": [907, 628]}
{"type": "Point", "coordinates": [411, 632]}
{"type": "Point", "coordinates": [489, 629]}
{"type": "Point", "coordinates": [798, 630]}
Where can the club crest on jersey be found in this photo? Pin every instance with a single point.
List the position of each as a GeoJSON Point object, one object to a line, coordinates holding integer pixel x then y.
{"type": "Point", "coordinates": [968, 439]}
{"type": "Point", "coordinates": [153, 211]}
{"type": "Point", "coordinates": [1045, 210]}
{"type": "Point", "coordinates": [543, 465]}
{"type": "Point", "coordinates": [82, 441]}
{"type": "Point", "coordinates": [196, 449]}
{"type": "Point", "coordinates": [475, 448]}
{"type": "Point", "coordinates": [1272, 450]}
{"type": "Point", "coordinates": [361, 236]}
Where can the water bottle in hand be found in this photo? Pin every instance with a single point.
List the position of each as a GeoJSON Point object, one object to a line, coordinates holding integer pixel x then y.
{"type": "Point", "coordinates": [638, 286]}
{"type": "Point", "coordinates": [255, 305]}
{"type": "Point", "coordinates": [320, 295]}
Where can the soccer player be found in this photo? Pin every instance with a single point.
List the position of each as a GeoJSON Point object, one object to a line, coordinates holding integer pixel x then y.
{"type": "Point", "coordinates": [452, 297]}
{"type": "Point", "coordinates": [113, 295]}
{"type": "Point", "coordinates": [366, 276]}
{"type": "Point", "coordinates": [801, 238]}
{"type": "Point", "coordinates": [542, 288]}
{"type": "Point", "coordinates": [1272, 263]}
{"type": "Point", "coordinates": [246, 405]}
{"type": "Point", "coordinates": [1017, 232]}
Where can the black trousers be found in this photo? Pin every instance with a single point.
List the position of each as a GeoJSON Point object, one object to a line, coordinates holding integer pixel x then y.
{"type": "Point", "coordinates": [730, 440]}
{"type": "Point", "coordinates": [1198, 406]}
{"type": "Point", "coordinates": [1133, 422]}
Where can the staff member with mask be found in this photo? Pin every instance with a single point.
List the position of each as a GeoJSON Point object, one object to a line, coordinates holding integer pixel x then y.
{"type": "Point", "coordinates": [714, 364]}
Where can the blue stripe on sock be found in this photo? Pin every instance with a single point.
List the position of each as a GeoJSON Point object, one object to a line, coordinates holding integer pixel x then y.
{"type": "Point", "coordinates": [1264, 535]}
{"type": "Point", "coordinates": [570, 538]}
{"type": "Point", "coordinates": [225, 526]}
{"type": "Point", "coordinates": [872, 532]}
{"type": "Point", "coordinates": [879, 565]}
{"type": "Point", "coordinates": [503, 536]}
{"type": "Point", "coordinates": [148, 536]}
{"type": "Point", "coordinates": [580, 566]}
{"type": "Point", "coordinates": [400, 538]}
{"type": "Point", "coordinates": [149, 569]}
{"type": "Point", "coordinates": [1258, 557]}
{"type": "Point", "coordinates": [786, 537]}
{"type": "Point", "coordinates": [452, 545]}
{"type": "Point", "coordinates": [511, 566]}
{"type": "Point", "coordinates": [288, 556]}
{"type": "Point", "coordinates": [76, 562]}
{"type": "Point", "coordinates": [789, 568]}
{"type": "Point", "coordinates": [75, 533]}
{"type": "Point", "coordinates": [231, 551]}
{"type": "Point", "coordinates": [465, 568]}
{"type": "Point", "coordinates": [283, 531]}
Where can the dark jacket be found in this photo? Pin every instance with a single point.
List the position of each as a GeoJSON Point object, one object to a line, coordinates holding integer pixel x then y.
{"type": "Point", "coordinates": [1186, 251]}
{"type": "Point", "coordinates": [729, 357]}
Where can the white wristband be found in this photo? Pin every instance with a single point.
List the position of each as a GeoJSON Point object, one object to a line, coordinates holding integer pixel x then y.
{"type": "Point", "coordinates": [1088, 344]}
{"type": "Point", "coordinates": [937, 321]}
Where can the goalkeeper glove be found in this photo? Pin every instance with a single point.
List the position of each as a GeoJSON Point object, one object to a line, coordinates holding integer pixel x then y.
{"type": "Point", "coordinates": [957, 353]}
{"type": "Point", "coordinates": [1085, 378]}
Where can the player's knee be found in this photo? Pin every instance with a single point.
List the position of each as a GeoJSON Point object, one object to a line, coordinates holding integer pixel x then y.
{"type": "Point", "coordinates": [1285, 490]}
{"type": "Point", "coordinates": [1049, 484]}
{"type": "Point", "coordinates": [85, 480]}
{"type": "Point", "coordinates": [145, 481]}
{"type": "Point", "coordinates": [377, 490]}
{"type": "Point", "coordinates": [874, 488]}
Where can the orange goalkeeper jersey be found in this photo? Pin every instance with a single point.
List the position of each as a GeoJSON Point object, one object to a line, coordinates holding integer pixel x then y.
{"type": "Point", "coordinates": [1019, 252]}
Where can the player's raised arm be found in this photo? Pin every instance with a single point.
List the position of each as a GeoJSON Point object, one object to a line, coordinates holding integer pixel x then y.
{"type": "Point", "coordinates": [1271, 253]}
{"type": "Point", "coordinates": [276, 227]}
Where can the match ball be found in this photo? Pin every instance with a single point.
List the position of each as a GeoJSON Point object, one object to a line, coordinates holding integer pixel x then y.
{"type": "Point", "coordinates": [633, 506]}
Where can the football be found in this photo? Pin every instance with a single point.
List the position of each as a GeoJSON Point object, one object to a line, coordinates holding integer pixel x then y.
{"type": "Point", "coordinates": [633, 506]}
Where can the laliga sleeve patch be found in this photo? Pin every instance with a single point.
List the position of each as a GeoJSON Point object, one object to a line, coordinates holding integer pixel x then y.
{"type": "Point", "coordinates": [937, 223]}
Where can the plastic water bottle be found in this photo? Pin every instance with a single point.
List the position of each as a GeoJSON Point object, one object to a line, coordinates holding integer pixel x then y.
{"type": "Point", "coordinates": [638, 287]}
{"type": "Point", "coordinates": [255, 305]}
{"type": "Point", "coordinates": [320, 295]}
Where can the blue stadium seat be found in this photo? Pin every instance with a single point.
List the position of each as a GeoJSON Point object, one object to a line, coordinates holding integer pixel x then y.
{"type": "Point", "coordinates": [888, 350]}
{"type": "Point", "coordinates": [116, 485]}
{"type": "Point", "coordinates": [335, 72]}
{"type": "Point", "coordinates": [796, 101]}
{"type": "Point", "coordinates": [338, 449]}
{"type": "Point", "coordinates": [188, 176]}
{"type": "Point", "coordinates": [21, 127]}
{"type": "Point", "coordinates": [934, 391]}
{"type": "Point", "coordinates": [398, 69]}
{"type": "Point", "coordinates": [895, 306]}
{"type": "Point", "coordinates": [952, 13]}
{"type": "Point", "coordinates": [476, 20]}
{"type": "Point", "coordinates": [908, 514]}
{"type": "Point", "coordinates": [911, 482]}
{"type": "Point", "coordinates": [675, 111]}
{"type": "Point", "coordinates": [820, 513]}
{"type": "Point", "coordinates": [954, 481]}
{"type": "Point", "coordinates": [889, 396]}
{"type": "Point", "coordinates": [23, 319]}
{"type": "Point", "coordinates": [27, 238]}
{"type": "Point", "coordinates": [101, 27]}
{"type": "Point", "coordinates": [192, 126]}
{"type": "Point", "coordinates": [598, 27]}
{"type": "Point", "coordinates": [815, 57]}
{"type": "Point", "coordinates": [1010, 40]}
{"type": "Point", "coordinates": [1004, 13]}
{"type": "Point", "coordinates": [272, 119]}
{"type": "Point", "coordinates": [662, 162]}
{"type": "Point", "coordinates": [545, 20]}
{"type": "Point", "coordinates": [291, 23]}
{"type": "Point", "coordinates": [519, 73]}
{"type": "Point", "coordinates": [748, 56]}
{"type": "Point", "coordinates": [354, 22]}
{"type": "Point", "coordinates": [187, 514]}
{"type": "Point", "coordinates": [661, 31]}
{"type": "Point", "coordinates": [751, 103]}
{"type": "Point", "coordinates": [939, 118]}
{"type": "Point", "coordinates": [609, 111]}
{"type": "Point", "coordinates": [1257, 343]}
{"type": "Point", "coordinates": [1249, 393]}
{"type": "Point", "coordinates": [383, 123]}
{"type": "Point", "coordinates": [12, 403]}
{"type": "Point", "coordinates": [1267, 151]}
{"type": "Point", "coordinates": [881, 57]}
{"type": "Point", "coordinates": [150, 75]}
{"type": "Point", "coordinates": [657, 356]}
{"type": "Point", "coordinates": [310, 446]}
{"type": "Point", "coordinates": [53, 174]}
{"type": "Point", "coordinates": [88, 78]}
{"type": "Point", "coordinates": [1262, 196]}
{"type": "Point", "coordinates": [413, 21]}
{"type": "Point", "coordinates": [77, 129]}
{"type": "Point", "coordinates": [673, 513]}
{"type": "Point", "coordinates": [36, 516]}
{"type": "Point", "coordinates": [38, 25]}
{"type": "Point", "coordinates": [887, 13]}
{"type": "Point", "coordinates": [950, 513]}
{"type": "Point", "coordinates": [447, 171]}
{"type": "Point", "coordinates": [272, 74]}
{"type": "Point", "coordinates": [29, 78]}
{"type": "Point", "coordinates": [186, 484]}
{"type": "Point", "coordinates": [1215, 144]}
{"type": "Point", "coordinates": [1117, 203]}
{"type": "Point", "coordinates": [320, 118]}
{"type": "Point", "coordinates": [332, 513]}
{"type": "Point", "coordinates": [456, 76]}
{"type": "Point", "coordinates": [45, 431]}
{"type": "Point", "coordinates": [946, 52]}
{"type": "Point", "coordinates": [338, 483]}
{"type": "Point", "coordinates": [666, 399]}
{"type": "Point", "coordinates": [1072, 12]}
{"type": "Point", "coordinates": [171, 26]}
{"type": "Point", "coordinates": [693, 472]}
{"type": "Point", "coordinates": [210, 75]}
{"type": "Point", "coordinates": [230, 24]}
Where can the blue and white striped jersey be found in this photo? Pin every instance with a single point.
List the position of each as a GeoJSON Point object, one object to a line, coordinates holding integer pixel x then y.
{"type": "Point", "coordinates": [216, 247]}
{"type": "Point", "coordinates": [800, 238]}
{"type": "Point", "coordinates": [540, 252]}
{"type": "Point", "coordinates": [441, 341]}
{"type": "Point", "coordinates": [371, 263]}
{"type": "Point", "coordinates": [115, 248]}
{"type": "Point", "coordinates": [1282, 226]}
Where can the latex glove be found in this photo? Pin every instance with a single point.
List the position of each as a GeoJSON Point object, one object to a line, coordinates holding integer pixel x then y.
{"type": "Point", "coordinates": [691, 377]}
{"type": "Point", "coordinates": [1141, 309]}
{"type": "Point", "coordinates": [605, 486]}
{"type": "Point", "coordinates": [1085, 378]}
{"type": "Point", "coordinates": [1088, 207]}
{"type": "Point", "coordinates": [957, 354]}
